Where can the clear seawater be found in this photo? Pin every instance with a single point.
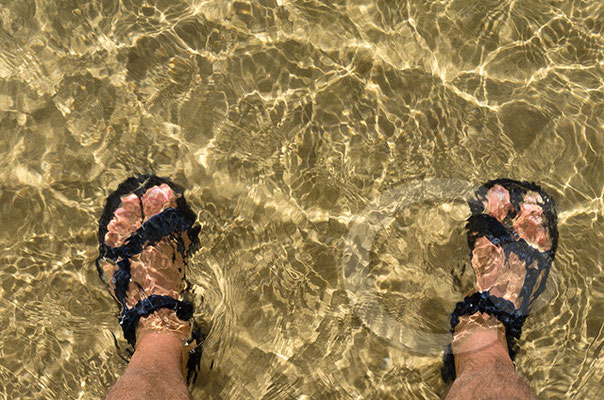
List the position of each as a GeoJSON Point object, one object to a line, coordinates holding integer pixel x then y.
{"type": "Point", "coordinates": [328, 147]}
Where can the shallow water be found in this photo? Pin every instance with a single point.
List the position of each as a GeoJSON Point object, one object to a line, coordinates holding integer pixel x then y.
{"type": "Point", "coordinates": [328, 148]}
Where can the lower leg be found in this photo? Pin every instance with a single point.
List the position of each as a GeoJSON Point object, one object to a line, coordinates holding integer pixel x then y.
{"type": "Point", "coordinates": [155, 370]}
{"type": "Point", "coordinates": [483, 366]}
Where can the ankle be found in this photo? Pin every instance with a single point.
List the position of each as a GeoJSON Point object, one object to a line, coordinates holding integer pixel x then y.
{"type": "Point", "coordinates": [166, 347]}
{"type": "Point", "coordinates": [478, 340]}
{"type": "Point", "coordinates": [163, 321]}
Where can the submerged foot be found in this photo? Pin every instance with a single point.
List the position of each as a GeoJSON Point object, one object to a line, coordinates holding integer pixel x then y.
{"type": "Point", "coordinates": [502, 268]}
{"type": "Point", "coordinates": [512, 234]}
{"type": "Point", "coordinates": [137, 263]}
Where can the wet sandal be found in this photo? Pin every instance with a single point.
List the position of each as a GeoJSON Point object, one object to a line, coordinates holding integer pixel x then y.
{"type": "Point", "coordinates": [518, 209]}
{"type": "Point", "coordinates": [173, 225]}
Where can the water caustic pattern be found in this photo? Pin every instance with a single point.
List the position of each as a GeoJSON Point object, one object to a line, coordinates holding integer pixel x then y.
{"type": "Point", "coordinates": [328, 148]}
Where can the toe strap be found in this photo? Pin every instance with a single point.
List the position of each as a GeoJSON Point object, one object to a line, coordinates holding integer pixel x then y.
{"type": "Point", "coordinates": [147, 306]}
{"type": "Point", "coordinates": [168, 223]}
{"type": "Point", "coordinates": [483, 225]}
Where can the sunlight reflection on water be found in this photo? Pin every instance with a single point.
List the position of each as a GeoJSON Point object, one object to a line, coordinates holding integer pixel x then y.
{"type": "Point", "coordinates": [328, 148]}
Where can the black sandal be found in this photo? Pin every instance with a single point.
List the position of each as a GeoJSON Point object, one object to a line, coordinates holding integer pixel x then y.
{"type": "Point", "coordinates": [501, 234]}
{"type": "Point", "coordinates": [171, 222]}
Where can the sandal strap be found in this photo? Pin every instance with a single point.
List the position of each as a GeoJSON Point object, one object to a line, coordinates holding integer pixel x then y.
{"type": "Point", "coordinates": [184, 311]}
{"type": "Point", "coordinates": [147, 306]}
{"type": "Point", "coordinates": [502, 309]}
{"type": "Point", "coordinates": [195, 354]}
{"type": "Point", "coordinates": [484, 225]}
{"type": "Point", "coordinates": [167, 223]}
{"type": "Point", "coordinates": [137, 185]}
{"type": "Point", "coordinates": [517, 190]}
{"type": "Point", "coordinates": [164, 224]}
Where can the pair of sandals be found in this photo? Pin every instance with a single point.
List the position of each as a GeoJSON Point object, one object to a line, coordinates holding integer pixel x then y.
{"type": "Point", "coordinates": [515, 217]}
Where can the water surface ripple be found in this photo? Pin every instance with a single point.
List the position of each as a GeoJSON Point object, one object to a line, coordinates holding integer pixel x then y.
{"type": "Point", "coordinates": [328, 147]}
